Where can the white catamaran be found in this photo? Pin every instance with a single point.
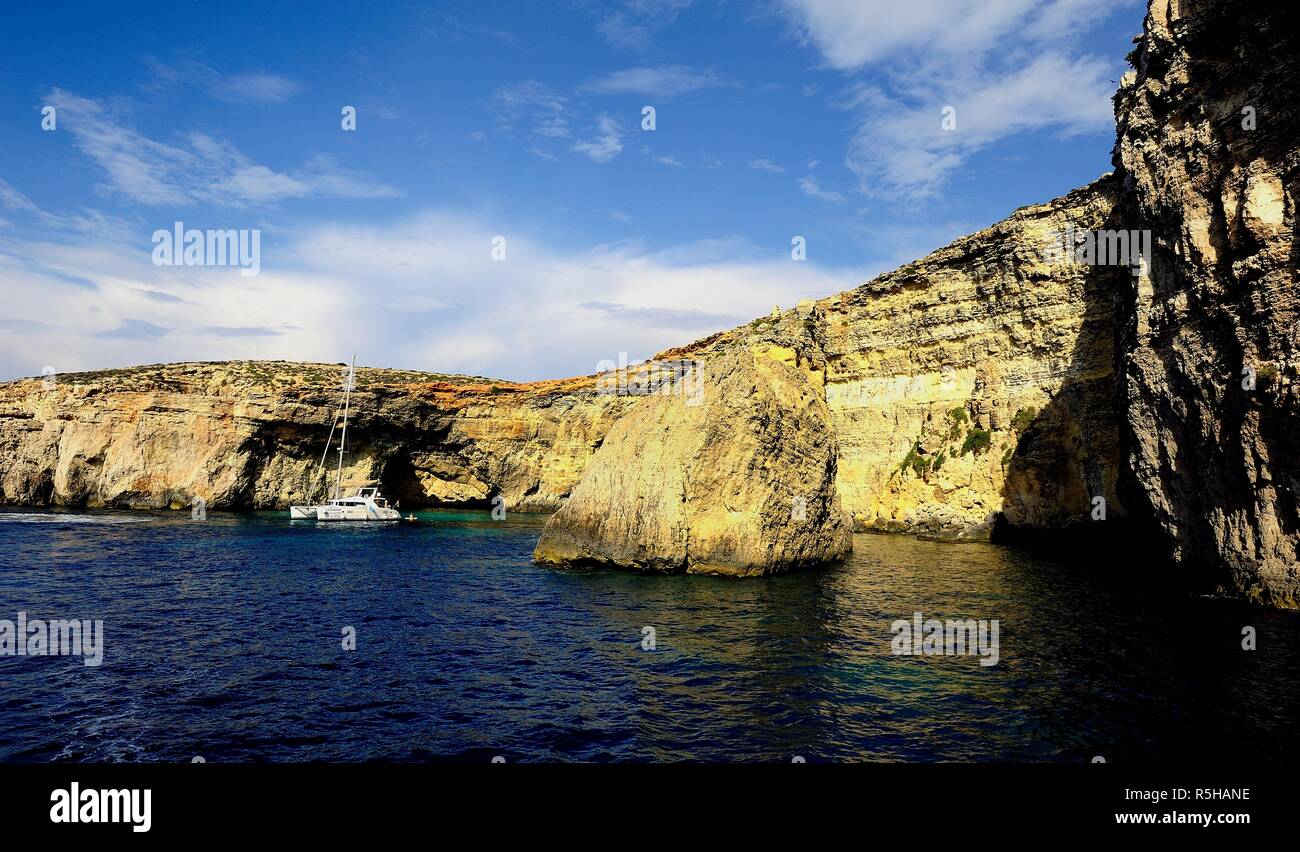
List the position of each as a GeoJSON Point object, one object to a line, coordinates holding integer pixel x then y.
{"type": "Point", "coordinates": [366, 504]}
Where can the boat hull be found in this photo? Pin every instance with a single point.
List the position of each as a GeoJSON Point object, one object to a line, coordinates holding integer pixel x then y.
{"type": "Point", "coordinates": [356, 513]}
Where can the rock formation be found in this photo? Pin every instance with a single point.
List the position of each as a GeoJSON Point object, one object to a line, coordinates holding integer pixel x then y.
{"type": "Point", "coordinates": [988, 327]}
{"type": "Point", "coordinates": [730, 470]}
{"type": "Point", "coordinates": [1209, 150]}
{"type": "Point", "coordinates": [975, 382]}
{"type": "Point", "coordinates": [250, 435]}
{"type": "Point", "coordinates": [987, 382]}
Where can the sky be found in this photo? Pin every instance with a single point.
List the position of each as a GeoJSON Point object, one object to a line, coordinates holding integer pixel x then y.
{"type": "Point", "coordinates": [501, 207]}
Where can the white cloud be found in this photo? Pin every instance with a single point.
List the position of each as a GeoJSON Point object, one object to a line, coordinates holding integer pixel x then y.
{"type": "Point", "coordinates": [196, 169]}
{"type": "Point", "coordinates": [257, 86]}
{"type": "Point", "coordinates": [904, 150]}
{"type": "Point", "coordinates": [663, 81]}
{"type": "Point", "coordinates": [14, 200]}
{"type": "Point", "coordinates": [811, 188]}
{"type": "Point", "coordinates": [529, 102]}
{"type": "Point", "coordinates": [605, 145]}
{"type": "Point", "coordinates": [631, 24]}
{"type": "Point", "coordinates": [421, 293]}
{"type": "Point", "coordinates": [414, 304]}
{"type": "Point", "coordinates": [668, 160]}
{"type": "Point", "coordinates": [851, 34]}
{"type": "Point", "coordinates": [1007, 66]}
{"type": "Point", "coordinates": [766, 166]}
{"type": "Point", "coordinates": [440, 25]}
{"type": "Point", "coordinates": [267, 88]}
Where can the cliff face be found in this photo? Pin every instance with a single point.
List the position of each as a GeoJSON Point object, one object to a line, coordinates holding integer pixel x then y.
{"type": "Point", "coordinates": [250, 435]}
{"type": "Point", "coordinates": [983, 336]}
{"type": "Point", "coordinates": [729, 471]}
{"type": "Point", "coordinates": [974, 382]}
{"type": "Point", "coordinates": [1209, 149]}
{"type": "Point", "coordinates": [986, 381]}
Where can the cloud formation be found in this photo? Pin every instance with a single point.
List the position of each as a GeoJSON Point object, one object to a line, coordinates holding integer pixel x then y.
{"type": "Point", "coordinates": [662, 81]}
{"type": "Point", "coordinates": [809, 186]}
{"type": "Point", "coordinates": [195, 168]}
{"type": "Point", "coordinates": [605, 144]}
{"type": "Point", "coordinates": [422, 292]}
{"type": "Point", "coordinates": [257, 86]}
{"type": "Point", "coordinates": [632, 24]}
{"type": "Point", "coordinates": [1009, 67]}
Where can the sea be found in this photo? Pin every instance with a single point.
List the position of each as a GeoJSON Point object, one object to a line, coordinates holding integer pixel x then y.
{"type": "Point", "coordinates": [251, 638]}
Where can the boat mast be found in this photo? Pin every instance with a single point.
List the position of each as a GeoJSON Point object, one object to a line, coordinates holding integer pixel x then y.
{"type": "Point", "coordinates": [343, 438]}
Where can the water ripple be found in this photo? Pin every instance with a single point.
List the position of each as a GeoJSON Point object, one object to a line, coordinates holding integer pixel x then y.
{"type": "Point", "coordinates": [224, 639]}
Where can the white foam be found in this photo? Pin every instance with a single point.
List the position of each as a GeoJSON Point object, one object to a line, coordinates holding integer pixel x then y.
{"type": "Point", "coordinates": [60, 518]}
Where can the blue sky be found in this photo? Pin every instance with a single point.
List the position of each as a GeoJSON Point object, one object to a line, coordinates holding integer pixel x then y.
{"type": "Point", "coordinates": [816, 118]}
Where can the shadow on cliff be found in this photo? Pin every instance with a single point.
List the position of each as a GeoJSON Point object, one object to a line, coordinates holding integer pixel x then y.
{"type": "Point", "coordinates": [1076, 450]}
{"type": "Point", "coordinates": [400, 480]}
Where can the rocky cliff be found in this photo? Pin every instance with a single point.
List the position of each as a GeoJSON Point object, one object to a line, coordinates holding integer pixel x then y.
{"type": "Point", "coordinates": [971, 386]}
{"type": "Point", "coordinates": [995, 381]}
{"type": "Point", "coordinates": [250, 435]}
{"type": "Point", "coordinates": [973, 382]}
{"type": "Point", "coordinates": [976, 383]}
{"type": "Point", "coordinates": [730, 469]}
{"type": "Point", "coordinates": [1209, 152]}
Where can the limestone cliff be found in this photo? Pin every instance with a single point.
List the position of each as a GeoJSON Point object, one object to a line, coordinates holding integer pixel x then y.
{"type": "Point", "coordinates": [250, 435]}
{"type": "Point", "coordinates": [1209, 150]}
{"type": "Point", "coordinates": [975, 382]}
{"type": "Point", "coordinates": [729, 471]}
{"type": "Point", "coordinates": [987, 382]}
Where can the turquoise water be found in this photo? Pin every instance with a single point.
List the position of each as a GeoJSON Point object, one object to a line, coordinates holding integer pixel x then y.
{"type": "Point", "coordinates": [223, 639]}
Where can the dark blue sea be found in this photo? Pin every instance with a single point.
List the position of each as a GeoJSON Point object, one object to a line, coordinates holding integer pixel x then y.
{"type": "Point", "coordinates": [223, 640]}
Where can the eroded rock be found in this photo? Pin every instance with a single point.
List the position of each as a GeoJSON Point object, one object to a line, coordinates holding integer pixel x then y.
{"type": "Point", "coordinates": [1209, 150]}
{"type": "Point", "coordinates": [741, 483]}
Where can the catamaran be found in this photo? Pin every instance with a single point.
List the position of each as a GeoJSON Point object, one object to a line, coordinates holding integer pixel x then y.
{"type": "Point", "coordinates": [367, 504]}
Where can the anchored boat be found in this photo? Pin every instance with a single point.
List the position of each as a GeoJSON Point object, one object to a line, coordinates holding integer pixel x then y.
{"type": "Point", "coordinates": [367, 504]}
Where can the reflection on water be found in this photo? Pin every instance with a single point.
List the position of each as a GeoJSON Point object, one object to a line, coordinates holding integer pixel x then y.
{"type": "Point", "coordinates": [223, 640]}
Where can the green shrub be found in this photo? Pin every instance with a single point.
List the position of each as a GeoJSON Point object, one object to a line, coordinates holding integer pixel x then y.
{"type": "Point", "coordinates": [1023, 419]}
{"type": "Point", "coordinates": [916, 462]}
{"type": "Point", "coordinates": [977, 441]}
{"type": "Point", "coordinates": [958, 417]}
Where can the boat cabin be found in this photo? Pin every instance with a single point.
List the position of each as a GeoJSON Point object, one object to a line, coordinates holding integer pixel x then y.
{"type": "Point", "coordinates": [361, 498]}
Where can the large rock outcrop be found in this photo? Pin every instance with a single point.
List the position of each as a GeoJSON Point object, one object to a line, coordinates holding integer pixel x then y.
{"type": "Point", "coordinates": [1209, 151]}
{"type": "Point", "coordinates": [250, 435]}
{"type": "Point", "coordinates": [730, 470]}
{"type": "Point", "coordinates": [984, 337]}
{"type": "Point", "coordinates": [974, 384]}
{"type": "Point", "coordinates": [984, 383]}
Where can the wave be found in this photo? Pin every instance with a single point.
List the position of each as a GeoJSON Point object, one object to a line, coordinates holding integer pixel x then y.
{"type": "Point", "coordinates": [60, 518]}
